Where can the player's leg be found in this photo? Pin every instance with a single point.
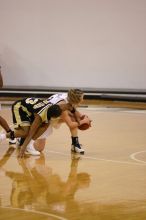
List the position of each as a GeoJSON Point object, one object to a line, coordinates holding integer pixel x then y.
{"type": "Point", "coordinates": [40, 144]}
{"type": "Point", "coordinates": [22, 133]}
{"type": "Point", "coordinates": [4, 124]}
{"type": "Point", "coordinates": [41, 136]}
{"type": "Point", "coordinates": [75, 145]}
{"type": "Point", "coordinates": [8, 130]}
{"type": "Point", "coordinates": [22, 123]}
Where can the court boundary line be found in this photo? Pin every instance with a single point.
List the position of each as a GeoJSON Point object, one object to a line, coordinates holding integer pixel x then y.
{"type": "Point", "coordinates": [133, 156]}
{"type": "Point", "coordinates": [35, 212]}
{"type": "Point", "coordinates": [114, 109]}
{"type": "Point", "coordinates": [101, 159]}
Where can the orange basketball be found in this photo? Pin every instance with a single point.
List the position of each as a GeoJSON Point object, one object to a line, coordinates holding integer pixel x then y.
{"type": "Point", "coordinates": [84, 126]}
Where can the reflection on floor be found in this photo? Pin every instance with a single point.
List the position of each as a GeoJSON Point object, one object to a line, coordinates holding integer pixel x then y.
{"type": "Point", "coordinates": [104, 184]}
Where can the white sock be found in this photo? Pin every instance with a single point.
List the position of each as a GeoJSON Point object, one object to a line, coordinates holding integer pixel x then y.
{"type": "Point", "coordinates": [3, 137]}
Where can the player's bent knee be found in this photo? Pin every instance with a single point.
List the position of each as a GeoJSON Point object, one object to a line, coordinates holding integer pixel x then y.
{"type": "Point", "coordinates": [40, 144]}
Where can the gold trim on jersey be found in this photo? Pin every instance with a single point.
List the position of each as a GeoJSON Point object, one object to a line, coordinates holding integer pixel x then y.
{"type": "Point", "coordinates": [25, 110]}
{"type": "Point", "coordinates": [43, 113]}
{"type": "Point", "coordinates": [22, 124]}
{"type": "Point", "coordinates": [19, 122]}
{"type": "Point", "coordinates": [16, 112]}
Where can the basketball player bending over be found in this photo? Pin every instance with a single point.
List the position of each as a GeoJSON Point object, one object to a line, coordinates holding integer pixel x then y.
{"type": "Point", "coordinates": [71, 117]}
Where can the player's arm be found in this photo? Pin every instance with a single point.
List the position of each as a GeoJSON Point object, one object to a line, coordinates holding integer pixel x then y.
{"type": "Point", "coordinates": [1, 79]}
{"type": "Point", "coordinates": [76, 114]}
{"type": "Point", "coordinates": [33, 129]}
{"type": "Point", "coordinates": [41, 130]}
{"type": "Point", "coordinates": [70, 120]}
{"type": "Point", "coordinates": [79, 117]}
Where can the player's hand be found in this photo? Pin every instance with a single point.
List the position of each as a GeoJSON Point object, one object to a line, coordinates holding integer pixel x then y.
{"type": "Point", "coordinates": [86, 119]}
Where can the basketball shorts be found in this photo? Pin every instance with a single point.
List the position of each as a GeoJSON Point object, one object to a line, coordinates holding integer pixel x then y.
{"type": "Point", "coordinates": [20, 117]}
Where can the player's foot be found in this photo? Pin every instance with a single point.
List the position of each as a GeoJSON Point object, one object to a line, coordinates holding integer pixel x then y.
{"type": "Point", "coordinates": [31, 150]}
{"type": "Point", "coordinates": [20, 141]}
{"type": "Point", "coordinates": [77, 148]}
{"type": "Point", "coordinates": [12, 141]}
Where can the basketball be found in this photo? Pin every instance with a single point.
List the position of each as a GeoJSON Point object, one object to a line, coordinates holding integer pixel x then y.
{"type": "Point", "coordinates": [84, 126]}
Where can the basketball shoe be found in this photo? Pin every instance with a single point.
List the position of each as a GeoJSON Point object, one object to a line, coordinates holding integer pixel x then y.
{"type": "Point", "coordinates": [31, 150]}
{"type": "Point", "coordinates": [77, 148]}
{"type": "Point", "coordinates": [12, 139]}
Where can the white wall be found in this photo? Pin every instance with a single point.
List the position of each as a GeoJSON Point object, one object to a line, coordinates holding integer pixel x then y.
{"type": "Point", "coordinates": [73, 43]}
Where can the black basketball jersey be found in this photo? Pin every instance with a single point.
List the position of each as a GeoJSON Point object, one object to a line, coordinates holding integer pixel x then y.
{"type": "Point", "coordinates": [34, 105]}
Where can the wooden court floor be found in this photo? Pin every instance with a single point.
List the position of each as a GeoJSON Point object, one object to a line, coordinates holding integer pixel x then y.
{"type": "Point", "coordinates": [107, 183]}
